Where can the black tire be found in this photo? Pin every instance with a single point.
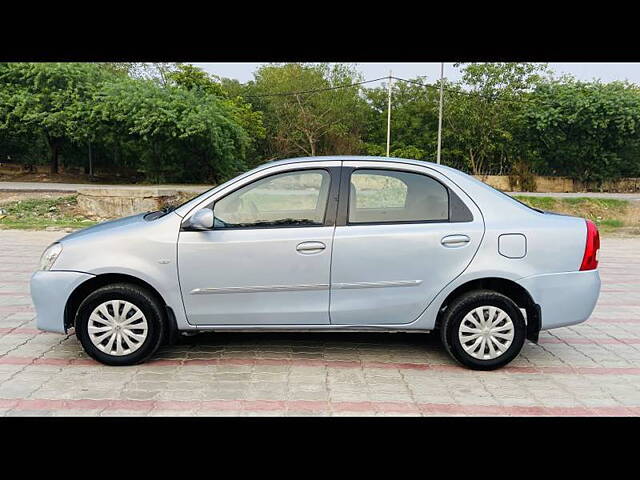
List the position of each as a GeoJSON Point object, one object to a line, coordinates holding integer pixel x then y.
{"type": "Point", "coordinates": [456, 312]}
{"type": "Point", "coordinates": [144, 301]}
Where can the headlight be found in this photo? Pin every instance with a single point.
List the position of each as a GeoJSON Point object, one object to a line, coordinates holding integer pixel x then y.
{"type": "Point", "coordinates": [49, 256]}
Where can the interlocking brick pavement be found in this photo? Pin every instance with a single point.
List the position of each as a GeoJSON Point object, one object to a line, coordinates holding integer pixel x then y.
{"type": "Point", "coordinates": [591, 369]}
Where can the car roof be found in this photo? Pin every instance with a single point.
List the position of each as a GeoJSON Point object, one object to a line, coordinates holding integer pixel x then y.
{"type": "Point", "coordinates": [361, 158]}
{"type": "Point", "coordinates": [365, 158]}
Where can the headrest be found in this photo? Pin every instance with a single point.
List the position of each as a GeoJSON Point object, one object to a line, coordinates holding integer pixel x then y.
{"type": "Point", "coordinates": [352, 196]}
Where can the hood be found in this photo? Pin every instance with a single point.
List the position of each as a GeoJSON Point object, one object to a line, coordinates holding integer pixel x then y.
{"type": "Point", "coordinates": [106, 226]}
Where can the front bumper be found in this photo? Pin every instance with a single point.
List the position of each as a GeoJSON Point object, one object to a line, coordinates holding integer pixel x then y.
{"type": "Point", "coordinates": [564, 298]}
{"type": "Point", "coordinates": [50, 291]}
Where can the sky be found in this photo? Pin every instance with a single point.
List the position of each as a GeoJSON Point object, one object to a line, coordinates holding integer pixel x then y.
{"type": "Point", "coordinates": [606, 72]}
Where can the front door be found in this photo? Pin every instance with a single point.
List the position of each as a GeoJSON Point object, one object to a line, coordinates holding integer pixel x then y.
{"type": "Point", "coordinates": [266, 261]}
{"type": "Point", "coordinates": [398, 242]}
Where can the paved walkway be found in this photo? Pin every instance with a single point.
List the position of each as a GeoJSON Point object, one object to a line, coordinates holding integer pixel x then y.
{"type": "Point", "coordinates": [74, 187]}
{"type": "Point", "coordinates": [635, 197]}
{"type": "Point", "coordinates": [591, 369]}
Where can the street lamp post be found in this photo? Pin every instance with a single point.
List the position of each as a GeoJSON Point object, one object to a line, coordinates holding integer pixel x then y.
{"type": "Point", "coordinates": [440, 113]}
{"type": "Point", "coordinates": [389, 118]}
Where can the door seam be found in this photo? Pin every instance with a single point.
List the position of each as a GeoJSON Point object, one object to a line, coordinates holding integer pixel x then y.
{"type": "Point", "coordinates": [333, 236]}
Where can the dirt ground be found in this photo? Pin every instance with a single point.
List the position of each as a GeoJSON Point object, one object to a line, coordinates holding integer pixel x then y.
{"type": "Point", "coordinates": [44, 177]}
{"type": "Point", "coordinates": [9, 197]}
{"type": "Point", "coordinates": [630, 217]}
{"type": "Point", "coordinates": [64, 209]}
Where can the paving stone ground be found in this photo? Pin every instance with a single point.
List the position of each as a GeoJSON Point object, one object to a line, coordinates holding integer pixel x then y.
{"type": "Point", "coordinates": [592, 369]}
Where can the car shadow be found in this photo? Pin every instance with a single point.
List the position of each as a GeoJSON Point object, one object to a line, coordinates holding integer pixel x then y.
{"type": "Point", "coordinates": [311, 339]}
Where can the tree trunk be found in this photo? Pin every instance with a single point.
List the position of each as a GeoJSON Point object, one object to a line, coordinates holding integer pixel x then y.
{"type": "Point", "coordinates": [55, 145]}
{"type": "Point", "coordinates": [55, 153]}
{"type": "Point", "coordinates": [311, 140]}
{"type": "Point", "coordinates": [474, 168]}
{"type": "Point", "coordinates": [88, 169]}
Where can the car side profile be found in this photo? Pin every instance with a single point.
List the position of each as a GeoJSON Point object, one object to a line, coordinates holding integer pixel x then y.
{"type": "Point", "coordinates": [326, 244]}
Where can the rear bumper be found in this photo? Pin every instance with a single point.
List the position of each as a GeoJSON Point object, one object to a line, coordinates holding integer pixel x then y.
{"type": "Point", "coordinates": [564, 298]}
{"type": "Point", "coordinates": [50, 291]}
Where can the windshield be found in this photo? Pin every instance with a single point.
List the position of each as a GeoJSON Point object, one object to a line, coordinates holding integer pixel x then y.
{"type": "Point", "coordinates": [173, 205]}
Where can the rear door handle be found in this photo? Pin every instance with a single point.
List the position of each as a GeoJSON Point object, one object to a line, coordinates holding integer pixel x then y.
{"type": "Point", "coordinates": [455, 240]}
{"type": "Point", "coordinates": [308, 248]}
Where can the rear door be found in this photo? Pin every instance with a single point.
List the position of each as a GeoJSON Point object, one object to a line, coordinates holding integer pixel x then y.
{"type": "Point", "coordinates": [403, 232]}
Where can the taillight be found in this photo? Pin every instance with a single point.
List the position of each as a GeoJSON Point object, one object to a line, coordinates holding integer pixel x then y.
{"type": "Point", "coordinates": [590, 259]}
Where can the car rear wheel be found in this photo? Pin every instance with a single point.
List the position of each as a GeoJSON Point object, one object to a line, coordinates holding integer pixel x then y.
{"type": "Point", "coordinates": [120, 324]}
{"type": "Point", "coordinates": [483, 330]}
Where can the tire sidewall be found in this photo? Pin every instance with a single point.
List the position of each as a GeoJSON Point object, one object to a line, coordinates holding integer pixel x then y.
{"type": "Point", "coordinates": [138, 297]}
{"type": "Point", "coordinates": [457, 315]}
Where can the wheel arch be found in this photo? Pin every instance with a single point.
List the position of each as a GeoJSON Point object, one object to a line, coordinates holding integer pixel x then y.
{"type": "Point", "coordinates": [521, 297]}
{"type": "Point", "coordinates": [90, 285]}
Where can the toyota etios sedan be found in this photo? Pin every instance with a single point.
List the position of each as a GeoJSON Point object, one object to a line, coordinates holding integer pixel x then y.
{"type": "Point", "coordinates": [326, 244]}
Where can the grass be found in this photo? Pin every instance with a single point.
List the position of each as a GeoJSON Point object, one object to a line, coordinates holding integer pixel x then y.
{"type": "Point", "coordinates": [613, 223]}
{"type": "Point", "coordinates": [40, 213]}
{"type": "Point", "coordinates": [547, 203]}
{"type": "Point", "coordinates": [608, 214]}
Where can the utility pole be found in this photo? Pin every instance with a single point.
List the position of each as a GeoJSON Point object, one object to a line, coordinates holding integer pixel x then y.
{"type": "Point", "coordinates": [440, 114]}
{"type": "Point", "coordinates": [389, 118]}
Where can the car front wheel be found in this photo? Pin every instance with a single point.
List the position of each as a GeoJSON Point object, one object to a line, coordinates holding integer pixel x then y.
{"type": "Point", "coordinates": [120, 324]}
{"type": "Point", "coordinates": [483, 330]}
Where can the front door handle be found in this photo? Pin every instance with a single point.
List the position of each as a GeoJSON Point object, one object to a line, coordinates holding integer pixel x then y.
{"type": "Point", "coordinates": [455, 240]}
{"type": "Point", "coordinates": [308, 248]}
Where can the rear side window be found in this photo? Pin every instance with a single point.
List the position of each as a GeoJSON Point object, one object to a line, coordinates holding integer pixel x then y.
{"type": "Point", "coordinates": [386, 196]}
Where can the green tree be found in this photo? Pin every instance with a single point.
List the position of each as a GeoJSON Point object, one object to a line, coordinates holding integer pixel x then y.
{"type": "Point", "coordinates": [186, 136]}
{"type": "Point", "coordinates": [120, 68]}
{"type": "Point", "coordinates": [482, 112]}
{"type": "Point", "coordinates": [201, 83]}
{"type": "Point", "coordinates": [321, 121]}
{"type": "Point", "coordinates": [194, 78]}
{"type": "Point", "coordinates": [48, 100]}
{"type": "Point", "coordinates": [588, 131]}
{"type": "Point", "coordinates": [414, 119]}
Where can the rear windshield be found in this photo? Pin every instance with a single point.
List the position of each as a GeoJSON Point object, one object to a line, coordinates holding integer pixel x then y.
{"type": "Point", "coordinates": [484, 185]}
{"type": "Point", "coordinates": [516, 200]}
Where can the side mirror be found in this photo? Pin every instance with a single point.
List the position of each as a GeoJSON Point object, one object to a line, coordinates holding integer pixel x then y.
{"type": "Point", "coordinates": [202, 219]}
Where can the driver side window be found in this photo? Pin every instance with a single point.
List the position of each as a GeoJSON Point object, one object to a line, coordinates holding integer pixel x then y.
{"type": "Point", "coordinates": [286, 199]}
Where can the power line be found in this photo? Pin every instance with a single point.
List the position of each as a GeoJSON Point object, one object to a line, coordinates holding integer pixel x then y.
{"type": "Point", "coordinates": [461, 92]}
{"type": "Point", "coordinates": [337, 87]}
{"type": "Point", "coordinates": [283, 94]}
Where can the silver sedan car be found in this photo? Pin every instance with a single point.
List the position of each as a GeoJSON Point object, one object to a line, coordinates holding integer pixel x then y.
{"type": "Point", "coordinates": [326, 244]}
